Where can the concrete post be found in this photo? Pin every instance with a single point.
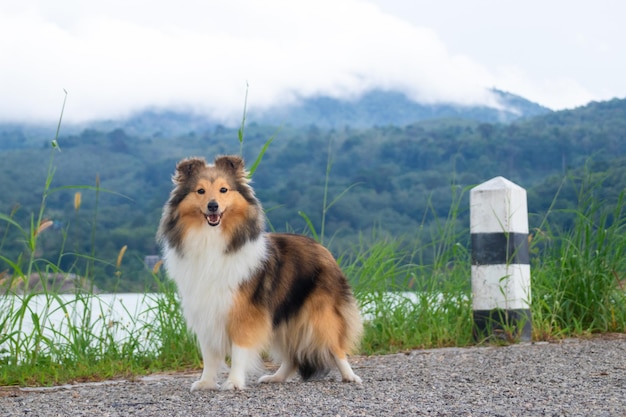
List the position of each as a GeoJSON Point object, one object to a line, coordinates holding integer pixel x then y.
{"type": "Point", "coordinates": [500, 260]}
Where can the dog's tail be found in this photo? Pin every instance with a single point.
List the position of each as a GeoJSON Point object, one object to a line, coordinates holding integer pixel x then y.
{"type": "Point", "coordinates": [313, 367]}
{"type": "Point", "coordinates": [314, 342]}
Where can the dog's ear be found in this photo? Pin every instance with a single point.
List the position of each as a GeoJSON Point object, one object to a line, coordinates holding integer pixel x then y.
{"type": "Point", "coordinates": [187, 168]}
{"type": "Point", "coordinates": [231, 163]}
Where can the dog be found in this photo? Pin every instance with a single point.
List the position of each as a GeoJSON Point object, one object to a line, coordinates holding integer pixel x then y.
{"type": "Point", "coordinates": [245, 291]}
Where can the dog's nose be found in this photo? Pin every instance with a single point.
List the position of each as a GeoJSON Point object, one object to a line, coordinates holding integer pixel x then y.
{"type": "Point", "coordinates": [213, 206]}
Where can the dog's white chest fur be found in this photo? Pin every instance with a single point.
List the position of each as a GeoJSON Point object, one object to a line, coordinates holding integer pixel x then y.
{"type": "Point", "coordinates": [207, 278]}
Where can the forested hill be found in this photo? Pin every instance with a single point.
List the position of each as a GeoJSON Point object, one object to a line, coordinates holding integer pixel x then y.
{"type": "Point", "coordinates": [400, 178]}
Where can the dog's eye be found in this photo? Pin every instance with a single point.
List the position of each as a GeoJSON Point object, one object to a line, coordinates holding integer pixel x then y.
{"type": "Point", "coordinates": [200, 191]}
{"type": "Point", "coordinates": [223, 190]}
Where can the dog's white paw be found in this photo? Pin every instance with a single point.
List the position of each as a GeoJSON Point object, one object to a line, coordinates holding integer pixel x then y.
{"type": "Point", "coordinates": [231, 384]}
{"type": "Point", "coordinates": [270, 379]}
{"type": "Point", "coordinates": [203, 385]}
{"type": "Point", "coordinates": [352, 378]}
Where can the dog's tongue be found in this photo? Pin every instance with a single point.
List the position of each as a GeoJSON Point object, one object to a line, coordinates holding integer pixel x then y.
{"type": "Point", "coordinates": [213, 218]}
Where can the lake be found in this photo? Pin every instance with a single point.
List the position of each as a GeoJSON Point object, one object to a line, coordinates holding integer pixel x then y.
{"type": "Point", "coordinates": [124, 317]}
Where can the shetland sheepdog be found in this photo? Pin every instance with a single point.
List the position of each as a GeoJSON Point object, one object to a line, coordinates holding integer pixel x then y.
{"type": "Point", "coordinates": [244, 291]}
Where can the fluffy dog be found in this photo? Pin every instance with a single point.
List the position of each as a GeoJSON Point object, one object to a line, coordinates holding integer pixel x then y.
{"type": "Point", "coordinates": [244, 290]}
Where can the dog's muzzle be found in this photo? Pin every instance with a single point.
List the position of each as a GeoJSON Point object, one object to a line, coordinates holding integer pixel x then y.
{"type": "Point", "coordinates": [213, 217]}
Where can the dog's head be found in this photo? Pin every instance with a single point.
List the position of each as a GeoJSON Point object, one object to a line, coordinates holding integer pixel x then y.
{"type": "Point", "coordinates": [215, 196]}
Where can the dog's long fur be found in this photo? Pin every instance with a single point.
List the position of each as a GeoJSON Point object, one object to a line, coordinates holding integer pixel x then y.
{"type": "Point", "coordinates": [244, 290]}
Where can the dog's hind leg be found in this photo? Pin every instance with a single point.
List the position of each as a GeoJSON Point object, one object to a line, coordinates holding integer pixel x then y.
{"type": "Point", "coordinates": [284, 372]}
{"type": "Point", "coordinates": [347, 374]}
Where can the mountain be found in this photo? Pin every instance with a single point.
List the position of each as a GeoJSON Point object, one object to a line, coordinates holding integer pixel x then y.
{"type": "Point", "coordinates": [392, 108]}
{"type": "Point", "coordinates": [374, 108]}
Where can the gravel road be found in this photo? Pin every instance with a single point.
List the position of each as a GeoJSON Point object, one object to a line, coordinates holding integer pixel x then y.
{"type": "Point", "coordinates": [573, 377]}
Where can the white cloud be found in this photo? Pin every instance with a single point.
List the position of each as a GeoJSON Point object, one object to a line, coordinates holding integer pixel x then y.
{"type": "Point", "coordinates": [115, 57]}
{"type": "Point", "coordinates": [552, 92]}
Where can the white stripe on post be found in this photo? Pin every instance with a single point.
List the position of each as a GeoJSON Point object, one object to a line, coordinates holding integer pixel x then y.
{"type": "Point", "coordinates": [500, 260]}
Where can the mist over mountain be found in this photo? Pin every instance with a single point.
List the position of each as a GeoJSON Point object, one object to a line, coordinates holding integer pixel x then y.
{"type": "Point", "coordinates": [374, 108]}
{"type": "Point", "coordinates": [386, 108]}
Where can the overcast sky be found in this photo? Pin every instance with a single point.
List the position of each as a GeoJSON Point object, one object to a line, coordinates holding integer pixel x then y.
{"type": "Point", "coordinates": [118, 56]}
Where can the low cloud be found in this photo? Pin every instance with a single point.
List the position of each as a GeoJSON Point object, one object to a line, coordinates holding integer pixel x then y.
{"type": "Point", "coordinates": [117, 57]}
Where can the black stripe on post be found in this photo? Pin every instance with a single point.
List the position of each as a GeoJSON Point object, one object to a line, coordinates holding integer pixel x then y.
{"type": "Point", "coordinates": [502, 324]}
{"type": "Point", "coordinates": [500, 248]}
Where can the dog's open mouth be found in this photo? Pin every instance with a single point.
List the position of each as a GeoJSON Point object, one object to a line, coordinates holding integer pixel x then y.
{"type": "Point", "coordinates": [213, 219]}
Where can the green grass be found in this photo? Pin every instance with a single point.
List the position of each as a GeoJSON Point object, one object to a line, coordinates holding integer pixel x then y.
{"type": "Point", "coordinates": [50, 338]}
{"type": "Point", "coordinates": [578, 275]}
{"type": "Point", "coordinates": [406, 305]}
{"type": "Point", "coordinates": [88, 343]}
{"type": "Point", "coordinates": [414, 297]}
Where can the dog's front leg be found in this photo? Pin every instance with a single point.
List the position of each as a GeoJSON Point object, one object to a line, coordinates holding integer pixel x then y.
{"type": "Point", "coordinates": [208, 380]}
{"type": "Point", "coordinates": [240, 358]}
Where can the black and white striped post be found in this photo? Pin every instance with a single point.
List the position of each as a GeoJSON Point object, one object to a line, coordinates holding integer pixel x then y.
{"type": "Point", "coordinates": [500, 260]}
